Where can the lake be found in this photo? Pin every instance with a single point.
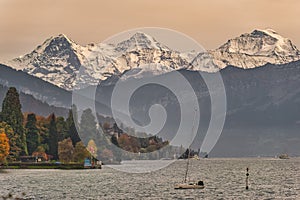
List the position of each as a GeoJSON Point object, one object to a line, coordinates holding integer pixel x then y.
{"type": "Point", "coordinates": [224, 179]}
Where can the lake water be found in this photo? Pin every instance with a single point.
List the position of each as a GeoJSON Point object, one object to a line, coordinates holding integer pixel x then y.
{"type": "Point", "coordinates": [223, 178]}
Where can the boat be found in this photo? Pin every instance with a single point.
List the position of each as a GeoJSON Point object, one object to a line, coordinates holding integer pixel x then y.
{"type": "Point", "coordinates": [195, 157]}
{"type": "Point", "coordinates": [185, 184]}
{"type": "Point", "coordinates": [189, 185]}
{"type": "Point", "coordinates": [283, 156]}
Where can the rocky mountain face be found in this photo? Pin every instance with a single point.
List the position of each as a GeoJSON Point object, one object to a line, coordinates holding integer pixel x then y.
{"type": "Point", "coordinates": [59, 59]}
{"type": "Point", "coordinates": [256, 49]}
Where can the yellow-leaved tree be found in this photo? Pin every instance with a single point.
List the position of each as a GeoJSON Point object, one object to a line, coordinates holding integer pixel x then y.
{"type": "Point", "coordinates": [92, 148]}
{"type": "Point", "coordinates": [4, 147]}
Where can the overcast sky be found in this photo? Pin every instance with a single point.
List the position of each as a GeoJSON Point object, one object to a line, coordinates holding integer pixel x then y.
{"type": "Point", "coordinates": [24, 24]}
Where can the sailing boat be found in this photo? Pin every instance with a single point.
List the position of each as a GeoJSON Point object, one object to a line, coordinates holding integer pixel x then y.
{"type": "Point", "coordinates": [189, 185]}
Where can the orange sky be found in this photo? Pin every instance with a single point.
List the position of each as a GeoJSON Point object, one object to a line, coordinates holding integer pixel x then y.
{"type": "Point", "coordinates": [24, 24]}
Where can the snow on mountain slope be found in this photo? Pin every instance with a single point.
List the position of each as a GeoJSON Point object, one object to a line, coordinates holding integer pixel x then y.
{"type": "Point", "coordinates": [140, 41]}
{"type": "Point", "coordinates": [256, 49]}
{"type": "Point", "coordinates": [56, 61]}
{"type": "Point", "coordinates": [59, 59]}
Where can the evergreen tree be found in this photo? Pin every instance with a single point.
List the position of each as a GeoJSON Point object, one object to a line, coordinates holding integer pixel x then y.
{"type": "Point", "coordinates": [71, 126]}
{"type": "Point", "coordinates": [116, 129]}
{"type": "Point", "coordinates": [42, 125]}
{"type": "Point", "coordinates": [114, 140]}
{"type": "Point", "coordinates": [12, 115]}
{"type": "Point", "coordinates": [32, 135]}
{"type": "Point", "coordinates": [88, 128]}
{"type": "Point", "coordinates": [62, 130]}
{"type": "Point", "coordinates": [53, 138]}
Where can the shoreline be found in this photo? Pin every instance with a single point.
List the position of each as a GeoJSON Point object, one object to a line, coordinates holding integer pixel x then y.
{"type": "Point", "coordinates": [20, 165]}
{"type": "Point", "coordinates": [79, 166]}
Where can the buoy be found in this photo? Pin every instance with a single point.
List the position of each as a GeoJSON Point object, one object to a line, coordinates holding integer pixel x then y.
{"type": "Point", "coordinates": [247, 177]}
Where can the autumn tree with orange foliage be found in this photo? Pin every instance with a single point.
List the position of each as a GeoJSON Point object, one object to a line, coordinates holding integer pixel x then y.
{"type": "Point", "coordinates": [4, 147]}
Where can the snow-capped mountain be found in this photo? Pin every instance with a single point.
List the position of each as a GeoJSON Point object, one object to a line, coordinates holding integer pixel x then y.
{"type": "Point", "coordinates": [256, 49]}
{"type": "Point", "coordinates": [59, 59]}
{"type": "Point", "coordinates": [55, 61]}
{"type": "Point", "coordinates": [140, 41]}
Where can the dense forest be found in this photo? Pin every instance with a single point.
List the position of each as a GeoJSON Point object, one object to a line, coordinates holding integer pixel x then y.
{"type": "Point", "coordinates": [71, 139]}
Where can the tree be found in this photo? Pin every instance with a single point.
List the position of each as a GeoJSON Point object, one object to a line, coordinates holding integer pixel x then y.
{"type": "Point", "coordinates": [62, 130]}
{"type": "Point", "coordinates": [92, 148]}
{"type": "Point", "coordinates": [106, 127]}
{"type": "Point", "coordinates": [114, 140]}
{"type": "Point", "coordinates": [124, 142]}
{"type": "Point", "coordinates": [65, 150]}
{"type": "Point", "coordinates": [4, 147]}
{"type": "Point", "coordinates": [116, 129]}
{"type": "Point", "coordinates": [53, 138]}
{"type": "Point", "coordinates": [80, 153]}
{"type": "Point", "coordinates": [15, 150]}
{"type": "Point", "coordinates": [42, 125]}
{"type": "Point", "coordinates": [88, 129]}
{"type": "Point", "coordinates": [12, 115]}
{"type": "Point", "coordinates": [71, 126]}
{"type": "Point", "coordinates": [32, 135]}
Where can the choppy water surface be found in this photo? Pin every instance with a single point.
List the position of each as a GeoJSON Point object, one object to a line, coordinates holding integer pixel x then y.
{"type": "Point", "coordinates": [224, 179]}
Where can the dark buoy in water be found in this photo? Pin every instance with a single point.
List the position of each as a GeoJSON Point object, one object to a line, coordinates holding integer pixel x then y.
{"type": "Point", "coordinates": [247, 177]}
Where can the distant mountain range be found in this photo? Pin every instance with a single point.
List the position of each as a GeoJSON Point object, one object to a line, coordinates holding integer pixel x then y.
{"type": "Point", "coordinates": [261, 73]}
{"type": "Point", "coordinates": [58, 59]}
{"type": "Point", "coordinates": [255, 49]}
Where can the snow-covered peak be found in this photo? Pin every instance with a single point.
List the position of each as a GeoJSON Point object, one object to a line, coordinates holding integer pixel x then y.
{"type": "Point", "coordinates": [255, 49]}
{"type": "Point", "coordinates": [59, 59]}
{"type": "Point", "coordinates": [139, 41]}
{"type": "Point", "coordinates": [63, 37]}
{"type": "Point", "coordinates": [260, 42]}
{"type": "Point", "coordinates": [282, 46]}
{"type": "Point", "coordinates": [60, 41]}
{"type": "Point", "coordinates": [52, 45]}
{"type": "Point", "coordinates": [52, 60]}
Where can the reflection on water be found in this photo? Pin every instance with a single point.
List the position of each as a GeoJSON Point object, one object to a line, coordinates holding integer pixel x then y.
{"type": "Point", "coordinates": [224, 179]}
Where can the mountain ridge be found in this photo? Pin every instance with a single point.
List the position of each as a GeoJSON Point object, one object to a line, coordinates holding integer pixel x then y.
{"type": "Point", "coordinates": [59, 58]}
{"type": "Point", "coordinates": [256, 49]}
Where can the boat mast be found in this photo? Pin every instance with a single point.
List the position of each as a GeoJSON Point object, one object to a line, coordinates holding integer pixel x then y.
{"type": "Point", "coordinates": [187, 166]}
{"type": "Point", "coordinates": [188, 156]}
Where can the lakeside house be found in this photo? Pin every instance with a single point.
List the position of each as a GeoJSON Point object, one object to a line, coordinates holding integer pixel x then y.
{"type": "Point", "coordinates": [31, 159]}
{"type": "Point", "coordinates": [92, 163]}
